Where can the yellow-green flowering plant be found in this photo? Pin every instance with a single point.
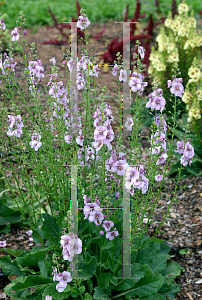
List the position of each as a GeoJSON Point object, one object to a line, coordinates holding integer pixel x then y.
{"type": "Point", "coordinates": [178, 42]}
{"type": "Point", "coordinates": [193, 96]}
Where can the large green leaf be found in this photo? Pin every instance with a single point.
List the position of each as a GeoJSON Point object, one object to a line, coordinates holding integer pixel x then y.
{"type": "Point", "coordinates": [87, 267]}
{"type": "Point", "coordinates": [172, 270]}
{"type": "Point", "coordinates": [8, 215]}
{"type": "Point", "coordinates": [158, 263]}
{"type": "Point", "coordinates": [13, 252]}
{"type": "Point", "coordinates": [147, 253]}
{"type": "Point", "coordinates": [10, 267]}
{"type": "Point", "coordinates": [100, 294]}
{"type": "Point", "coordinates": [105, 278]}
{"type": "Point", "coordinates": [45, 265]}
{"type": "Point", "coordinates": [137, 272]}
{"type": "Point", "coordinates": [169, 290]}
{"type": "Point", "coordinates": [29, 260]}
{"type": "Point", "coordinates": [52, 229]}
{"type": "Point", "coordinates": [145, 287]}
{"type": "Point", "coordinates": [26, 286]}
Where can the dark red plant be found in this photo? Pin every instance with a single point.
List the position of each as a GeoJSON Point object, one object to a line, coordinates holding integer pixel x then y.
{"type": "Point", "coordinates": [126, 13]}
{"type": "Point", "coordinates": [145, 39]}
{"type": "Point", "coordinates": [174, 8]}
{"type": "Point", "coordinates": [100, 33]}
{"type": "Point", "coordinates": [136, 16]}
{"type": "Point", "coordinates": [150, 26]}
{"type": "Point", "coordinates": [116, 46]}
{"type": "Point", "coordinates": [157, 6]}
{"type": "Point", "coordinates": [61, 26]}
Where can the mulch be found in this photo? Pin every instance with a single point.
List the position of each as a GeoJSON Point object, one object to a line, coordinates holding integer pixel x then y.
{"type": "Point", "coordinates": [183, 228]}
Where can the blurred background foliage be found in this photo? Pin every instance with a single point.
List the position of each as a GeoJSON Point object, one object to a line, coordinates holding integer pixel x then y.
{"type": "Point", "coordinates": [36, 11]}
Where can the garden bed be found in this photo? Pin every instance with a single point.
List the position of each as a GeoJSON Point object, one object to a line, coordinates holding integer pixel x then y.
{"type": "Point", "coordinates": [183, 228]}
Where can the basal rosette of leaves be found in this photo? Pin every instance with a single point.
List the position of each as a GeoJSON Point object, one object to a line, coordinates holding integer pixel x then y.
{"type": "Point", "coordinates": [178, 42]}
{"type": "Point", "coordinates": [43, 198]}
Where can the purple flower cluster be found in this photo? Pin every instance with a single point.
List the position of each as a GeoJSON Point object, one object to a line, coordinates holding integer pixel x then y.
{"type": "Point", "coordinates": [63, 278]}
{"type": "Point", "coordinates": [176, 87]}
{"type": "Point", "coordinates": [188, 152]}
{"type": "Point", "coordinates": [103, 133]}
{"type": "Point", "coordinates": [116, 163]}
{"type": "Point", "coordinates": [71, 245]}
{"type": "Point", "coordinates": [136, 83]}
{"type": "Point", "coordinates": [15, 34]}
{"type": "Point", "coordinates": [159, 138]}
{"type": "Point", "coordinates": [82, 71]}
{"type": "Point", "coordinates": [35, 69]}
{"type": "Point", "coordinates": [135, 176]}
{"type": "Point", "coordinates": [9, 64]}
{"type": "Point", "coordinates": [35, 142]}
{"type": "Point", "coordinates": [156, 100]}
{"type": "Point", "coordinates": [83, 22]}
{"type": "Point", "coordinates": [93, 212]}
{"type": "Point", "coordinates": [2, 25]}
{"type": "Point", "coordinates": [15, 121]}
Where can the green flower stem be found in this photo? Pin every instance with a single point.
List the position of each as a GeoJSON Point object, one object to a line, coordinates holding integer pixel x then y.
{"type": "Point", "coordinates": [169, 154]}
{"type": "Point", "coordinates": [167, 210]}
{"type": "Point", "coordinates": [103, 179]}
{"type": "Point", "coordinates": [120, 107]}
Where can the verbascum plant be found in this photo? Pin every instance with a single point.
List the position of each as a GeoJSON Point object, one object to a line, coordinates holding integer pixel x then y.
{"type": "Point", "coordinates": [193, 96]}
{"type": "Point", "coordinates": [178, 42]}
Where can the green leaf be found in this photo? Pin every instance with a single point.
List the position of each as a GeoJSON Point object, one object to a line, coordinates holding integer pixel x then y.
{"type": "Point", "coordinates": [87, 297]}
{"type": "Point", "coordinates": [51, 290]}
{"type": "Point", "coordinates": [169, 290]}
{"type": "Point", "coordinates": [12, 293]}
{"type": "Point", "coordinates": [75, 292]}
{"type": "Point", "coordinates": [10, 267]}
{"type": "Point", "coordinates": [8, 215]}
{"type": "Point", "coordinates": [42, 266]}
{"type": "Point", "coordinates": [13, 252]}
{"type": "Point", "coordinates": [147, 253]}
{"type": "Point", "coordinates": [165, 248]}
{"type": "Point", "coordinates": [38, 248]}
{"type": "Point", "coordinates": [173, 270]}
{"type": "Point", "coordinates": [5, 228]}
{"type": "Point", "coordinates": [153, 297]}
{"type": "Point", "coordinates": [146, 286]}
{"type": "Point", "coordinates": [37, 295]}
{"type": "Point", "coordinates": [52, 229]}
{"type": "Point", "coordinates": [137, 272]}
{"type": "Point", "coordinates": [100, 294]}
{"type": "Point", "coordinates": [88, 268]}
{"type": "Point", "coordinates": [184, 251]}
{"type": "Point", "coordinates": [105, 278]}
{"type": "Point", "coordinates": [158, 263]}
{"type": "Point", "coordinates": [26, 285]}
{"type": "Point", "coordinates": [29, 260]}
{"type": "Point", "coordinates": [108, 245]}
